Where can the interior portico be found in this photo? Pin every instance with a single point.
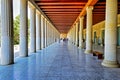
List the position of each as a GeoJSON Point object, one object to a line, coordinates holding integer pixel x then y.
{"type": "Point", "coordinates": [74, 36]}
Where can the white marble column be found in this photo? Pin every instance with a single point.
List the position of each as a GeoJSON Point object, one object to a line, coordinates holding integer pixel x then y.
{"type": "Point", "coordinates": [89, 30]}
{"type": "Point", "coordinates": [110, 58]}
{"type": "Point", "coordinates": [42, 33]}
{"type": "Point", "coordinates": [32, 29]}
{"type": "Point", "coordinates": [72, 36]}
{"type": "Point", "coordinates": [74, 33]}
{"type": "Point", "coordinates": [45, 33]}
{"type": "Point", "coordinates": [48, 34]}
{"type": "Point", "coordinates": [81, 33]}
{"type": "Point", "coordinates": [7, 52]}
{"type": "Point", "coordinates": [51, 35]}
{"type": "Point", "coordinates": [38, 31]}
{"type": "Point", "coordinates": [77, 33]}
{"type": "Point", "coordinates": [23, 28]}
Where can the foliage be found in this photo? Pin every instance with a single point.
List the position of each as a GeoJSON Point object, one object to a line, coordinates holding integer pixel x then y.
{"type": "Point", "coordinates": [17, 29]}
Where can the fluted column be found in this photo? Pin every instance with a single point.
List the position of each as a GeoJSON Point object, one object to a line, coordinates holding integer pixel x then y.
{"type": "Point", "coordinates": [32, 29]}
{"type": "Point", "coordinates": [77, 44]}
{"type": "Point", "coordinates": [110, 59]}
{"type": "Point", "coordinates": [38, 31]}
{"type": "Point", "coordinates": [23, 28]}
{"type": "Point", "coordinates": [7, 53]}
{"type": "Point", "coordinates": [89, 30]}
{"type": "Point", "coordinates": [81, 33]}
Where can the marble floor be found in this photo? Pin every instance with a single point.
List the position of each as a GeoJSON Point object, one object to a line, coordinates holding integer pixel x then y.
{"type": "Point", "coordinates": [60, 61]}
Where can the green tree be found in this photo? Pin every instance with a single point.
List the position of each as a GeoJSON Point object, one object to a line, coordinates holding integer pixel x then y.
{"type": "Point", "coordinates": [17, 29]}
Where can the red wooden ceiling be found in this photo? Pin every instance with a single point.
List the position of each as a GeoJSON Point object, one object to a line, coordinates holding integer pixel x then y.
{"type": "Point", "coordinates": [63, 13]}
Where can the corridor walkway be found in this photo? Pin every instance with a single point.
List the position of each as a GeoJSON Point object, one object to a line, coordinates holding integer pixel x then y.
{"type": "Point", "coordinates": [60, 61]}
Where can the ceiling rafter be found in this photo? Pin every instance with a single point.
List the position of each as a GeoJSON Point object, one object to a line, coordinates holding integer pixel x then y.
{"type": "Point", "coordinates": [65, 13]}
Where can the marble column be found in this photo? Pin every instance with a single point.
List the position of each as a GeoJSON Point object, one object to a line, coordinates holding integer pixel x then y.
{"type": "Point", "coordinates": [81, 33]}
{"type": "Point", "coordinates": [89, 30]}
{"type": "Point", "coordinates": [23, 28]}
{"type": "Point", "coordinates": [48, 38]}
{"type": "Point", "coordinates": [110, 58]}
{"type": "Point", "coordinates": [77, 34]}
{"type": "Point", "coordinates": [42, 33]}
{"type": "Point", "coordinates": [32, 29]}
{"type": "Point", "coordinates": [38, 31]}
{"type": "Point", "coordinates": [51, 35]}
{"type": "Point", "coordinates": [45, 33]}
{"type": "Point", "coordinates": [7, 52]}
{"type": "Point", "coordinates": [74, 35]}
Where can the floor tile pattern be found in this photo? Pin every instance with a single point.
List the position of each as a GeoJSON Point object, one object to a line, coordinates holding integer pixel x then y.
{"type": "Point", "coordinates": [60, 61]}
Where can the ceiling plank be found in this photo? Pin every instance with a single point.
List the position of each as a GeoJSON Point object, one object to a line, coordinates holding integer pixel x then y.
{"type": "Point", "coordinates": [61, 3]}
{"type": "Point", "coordinates": [63, 7]}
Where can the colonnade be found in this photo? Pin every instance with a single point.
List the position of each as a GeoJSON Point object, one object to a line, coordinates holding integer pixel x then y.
{"type": "Point", "coordinates": [110, 54]}
{"type": "Point", "coordinates": [42, 31]}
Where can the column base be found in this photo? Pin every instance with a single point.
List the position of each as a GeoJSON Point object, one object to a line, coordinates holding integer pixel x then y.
{"type": "Point", "coordinates": [102, 45]}
{"type": "Point", "coordinates": [5, 64]}
{"type": "Point", "coordinates": [23, 55]}
{"type": "Point", "coordinates": [77, 45]}
{"type": "Point", "coordinates": [81, 47]}
{"type": "Point", "coordinates": [74, 43]}
{"type": "Point", "coordinates": [32, 51]}
{"type": "Point", "coordinates": [112, 64]}
{"type": "Point", "coordinates": [88, 51]}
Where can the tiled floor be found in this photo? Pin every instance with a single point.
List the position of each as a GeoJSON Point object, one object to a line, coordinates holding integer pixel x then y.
{"type": "Point", "coordinates": [60, 61]}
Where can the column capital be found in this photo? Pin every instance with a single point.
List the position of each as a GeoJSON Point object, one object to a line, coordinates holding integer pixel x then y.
{"type": "Point", "coordinates": [81, 17]}
{"type": "Point", "coordinates": [38, 12]}
{"type": "Point", "coordinates": [76, 22]}
{"type": "Point", "coordinates": [89, 8]}
{"type": "Point", "coordinates": [31, 6]}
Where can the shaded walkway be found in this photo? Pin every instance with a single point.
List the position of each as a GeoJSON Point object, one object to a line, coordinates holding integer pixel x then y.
{"type": "Point", "coordinates": [58, 62]}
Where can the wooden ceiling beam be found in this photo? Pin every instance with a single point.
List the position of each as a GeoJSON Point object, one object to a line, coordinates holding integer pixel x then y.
{"type": "Point", "coordinates": [47, 10]}
{"type": "Point", "coordinates": [61, 15]}
{"type": "Point", "coordinates": [61, 7]}
{"type": "Point", "coordinates": [68, 26]}
{"type": "Point", "coordinates": [62, 12]}
{"type": "Point", "coordinates": [61, 3]}
{"type": "Point", "coordinates": [83, 12]}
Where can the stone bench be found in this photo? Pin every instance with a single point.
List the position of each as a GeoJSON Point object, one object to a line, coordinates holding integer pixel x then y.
{"type": "Point", "coordinates": [98, 54]}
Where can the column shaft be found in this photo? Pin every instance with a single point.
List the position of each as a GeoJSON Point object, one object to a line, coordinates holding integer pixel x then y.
{"type": "Point", "coordinates": [42, 33]}
{"type": "Point", "coordinates": [81, 32]}
{"type": "Point", "coordinates": [23, 28]}
{"type": "Point", "coordinates": [48, 34]}
{"type": "Point", "coordinates": [89, 30]}
{"type": "Point", "coordinates": [38, 31]}
{"type": "Point", "coordinates": [7, 52]}
{"type": "Point", "coordinates": [110, 59]}
{"type": "Point", "coordinates": [77, 34]}
{"type": "Point", "coordinates": [45, 33]}
{"type": "Point", "coordinates": [32, 29]}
